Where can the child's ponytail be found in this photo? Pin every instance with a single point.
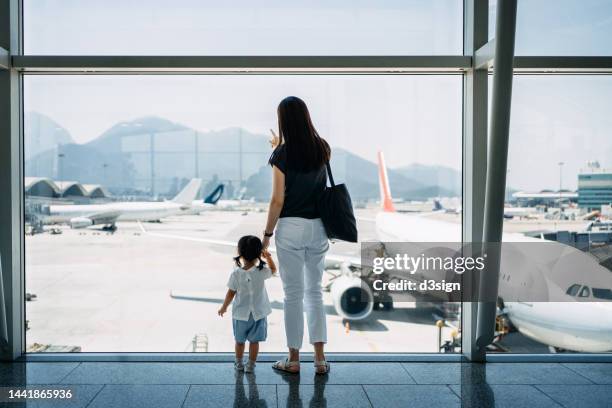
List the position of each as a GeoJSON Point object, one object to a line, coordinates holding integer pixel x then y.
{"type": "Point", "coordinates": [250, 248]}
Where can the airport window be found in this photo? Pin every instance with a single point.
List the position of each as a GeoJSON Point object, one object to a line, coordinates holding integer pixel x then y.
{"type": "Point", "coordinates": [573, 290]}
{"type": "Point", "coordinates": [585, 292]}
{"type": "Point", "coordinates": [599, 293]}
{"type": "Point", "coordinates": [104, 283]}
{"type": "Point", "coordinates": [560, 27]}
{"type": "Point", "coordinates": [175, 134]}
{"type": "Point", "coordinates": [558, 182]}
{"type": "Point", "coordinates": [192, 27]}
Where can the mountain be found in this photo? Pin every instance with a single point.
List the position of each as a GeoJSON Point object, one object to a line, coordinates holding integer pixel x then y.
{"type": "Point", "coordinates": [360, 177]}
{"type": "Point", "coordinates": [448, 180]}
{"type": "Point", "coordinates": [42, 133]}
{"type": "Point", "coordinates": [111, 140]}
{"type": "Point", "coordinates": [123, 157]}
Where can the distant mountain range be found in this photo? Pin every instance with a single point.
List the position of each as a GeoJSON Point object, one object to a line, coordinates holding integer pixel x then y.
{"type": "Point", "coordinates": [121, 158]}
{"type": "Point", "coordinates": [42, 133]}
{"type": "Point", "coordinates": [447, 179]}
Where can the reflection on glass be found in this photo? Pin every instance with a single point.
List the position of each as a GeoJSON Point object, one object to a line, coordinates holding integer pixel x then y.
{"type": "Point", "coordinates": [125, 263]}
{"type": "Point", "coordinates": [193, 27]}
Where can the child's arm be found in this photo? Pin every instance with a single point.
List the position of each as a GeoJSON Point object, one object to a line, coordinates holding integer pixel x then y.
{"type": "Point", "coordinates": [268, 257]}
{"type": "Point", "coordinates": [229, 296]}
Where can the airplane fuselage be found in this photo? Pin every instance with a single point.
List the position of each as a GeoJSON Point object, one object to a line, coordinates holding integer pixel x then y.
{"type": "Point", "coordinates": [128, 211]}
{"type": "Point", "coordinates": [571, 325]}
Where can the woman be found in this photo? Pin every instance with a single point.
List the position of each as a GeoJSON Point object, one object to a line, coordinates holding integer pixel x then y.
{"type": "Point", "coordinates": [299, 176]}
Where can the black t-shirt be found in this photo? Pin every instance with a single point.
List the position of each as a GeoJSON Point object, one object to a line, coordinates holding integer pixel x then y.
{"type": "Point", "coordinates": [301, 188]}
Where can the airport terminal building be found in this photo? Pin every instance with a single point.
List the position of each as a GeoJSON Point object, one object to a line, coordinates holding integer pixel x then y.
{"type": "Point", "coordinates": [594, 190]}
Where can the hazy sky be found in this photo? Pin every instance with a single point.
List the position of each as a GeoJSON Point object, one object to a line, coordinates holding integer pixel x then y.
{"type": "Point", "coordinates": [412, 118]}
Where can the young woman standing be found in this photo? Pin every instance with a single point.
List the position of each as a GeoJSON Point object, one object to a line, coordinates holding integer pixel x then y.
{"type": "Point", "coordinates": [299, 177]}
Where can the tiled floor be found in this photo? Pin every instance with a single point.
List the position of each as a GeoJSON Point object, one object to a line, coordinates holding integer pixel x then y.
{"type": "Point", "coordinates": [386, 385]}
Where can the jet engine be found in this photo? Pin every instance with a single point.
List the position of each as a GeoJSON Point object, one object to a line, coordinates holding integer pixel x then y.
{"type": "Point", "coordinates": [353, 299]}
{"type": "Point", "coordinates": [80, 222]}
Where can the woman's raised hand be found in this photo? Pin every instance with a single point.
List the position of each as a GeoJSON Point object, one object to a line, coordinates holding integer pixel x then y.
{"type": "Point", "coordinates": [274, 140]}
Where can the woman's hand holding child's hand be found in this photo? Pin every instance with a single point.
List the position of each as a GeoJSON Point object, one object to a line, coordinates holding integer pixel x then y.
{"type": "Point", "coordinates": [268, 257]}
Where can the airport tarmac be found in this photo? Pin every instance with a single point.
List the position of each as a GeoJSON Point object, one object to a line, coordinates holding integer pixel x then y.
{"type": "Point", "coordinates": [519, 225]}
{"type": "Point", "coordinates": [109, 292]}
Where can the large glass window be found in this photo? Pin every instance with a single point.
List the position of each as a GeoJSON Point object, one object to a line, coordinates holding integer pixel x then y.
{"type": "Point", "coordinates": [560, 27]}
{"type": "Point", "coordinates": [192, 27]}
{"type": "Point", "coordinates": [559, 189]}
{"type": "Point", "coordinates": [156, 286]}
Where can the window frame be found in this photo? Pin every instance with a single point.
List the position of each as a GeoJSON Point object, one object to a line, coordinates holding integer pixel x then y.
{"type": "Point", "coordinates": [476, 62]}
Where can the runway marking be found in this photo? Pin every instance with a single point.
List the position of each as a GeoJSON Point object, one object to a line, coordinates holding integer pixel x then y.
{"type": "Point", "coordinates": [195, 239]}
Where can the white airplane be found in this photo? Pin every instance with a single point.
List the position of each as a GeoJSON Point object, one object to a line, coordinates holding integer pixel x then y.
{"type": "Point", "coordinates": [82, 216]}
{"type": "Point", "coordinates": [573, 325]}
{"type": "Point", "coordinates": [521, 212]}
{"type": "Point", "coordinates": [577, 324]}
{"type": "Point", "coordinates": [453, 208]}
{"type": "Point", "coordinates": [509, 212]}
{"type": "Point", "coordinates": [209, 203]}
{"type": "Point", "coordinates": [213, 202]}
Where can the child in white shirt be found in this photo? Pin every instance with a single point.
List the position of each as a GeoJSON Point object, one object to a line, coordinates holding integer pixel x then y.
{"type": "Point", "coordinates": [251, 306]}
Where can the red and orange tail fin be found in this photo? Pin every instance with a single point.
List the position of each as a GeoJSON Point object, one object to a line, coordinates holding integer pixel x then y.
{"type": "Point", "coordinates": [383, 181]}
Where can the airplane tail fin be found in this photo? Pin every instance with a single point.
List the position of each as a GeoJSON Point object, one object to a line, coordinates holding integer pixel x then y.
{"type": "Point", "coordinates": [189, 192]}
{"type": "Point", "coordinates": [215, 196]}
{"type": "Point", "coordinates": [383, 181]}
{"type": "Point", "coordinates": [438, 206]}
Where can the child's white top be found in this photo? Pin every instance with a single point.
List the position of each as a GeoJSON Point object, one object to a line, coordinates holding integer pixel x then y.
{"type": "Point", "coordinates": [251, 295]}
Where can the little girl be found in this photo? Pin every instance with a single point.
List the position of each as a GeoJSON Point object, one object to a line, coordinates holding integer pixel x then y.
{"type": "Point", "coordinates": [247, 289]}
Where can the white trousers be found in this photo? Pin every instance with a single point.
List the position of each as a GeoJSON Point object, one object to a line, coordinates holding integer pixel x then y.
{"type": "Point", "coordinates": [301, 245]}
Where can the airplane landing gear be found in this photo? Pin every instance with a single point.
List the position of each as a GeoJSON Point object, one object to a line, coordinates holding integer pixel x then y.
{"type": "Point", "coordinates": [383, 302]}
{"type": "Point", "coordinates": [110, 228]}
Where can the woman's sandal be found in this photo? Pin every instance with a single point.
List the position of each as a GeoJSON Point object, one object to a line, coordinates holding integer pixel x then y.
{"type": "Point", "coordinates": [292, 367]}
{"type": "Point", "coordinates": [322, 367]}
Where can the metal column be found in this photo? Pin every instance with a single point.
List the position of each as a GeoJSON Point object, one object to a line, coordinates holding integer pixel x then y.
{"type": "Point", "coordinates": [496, 166]}
{"type": "Point", "coordinates": [11, 183]}
{"type": "Point", "coordinates": [475, 106]}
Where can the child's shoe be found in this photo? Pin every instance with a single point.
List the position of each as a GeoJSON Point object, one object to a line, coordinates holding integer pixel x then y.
{"type": "Point", "coordinates": [239, 365]}
{"type": "Point", "coordinates": [249, 367]}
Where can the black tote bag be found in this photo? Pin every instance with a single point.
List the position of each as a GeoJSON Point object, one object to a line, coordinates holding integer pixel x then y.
{"type": "Point", "coordinates": [336, 210]}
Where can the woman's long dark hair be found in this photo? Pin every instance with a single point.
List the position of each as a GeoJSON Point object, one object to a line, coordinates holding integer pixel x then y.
{"type": "Point", "coordinates": [306, 150]}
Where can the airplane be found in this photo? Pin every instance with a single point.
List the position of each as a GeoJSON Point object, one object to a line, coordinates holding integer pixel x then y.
{"type": "Point", "coordinates": [86, 215]}
{"type": "Point", "coordinates": [576, 324]}
{"type": "Point", "coordinates": [455, 208]}
{"type": "Point", "coordinates": [209, 202]}
{"type": "Point", "coordinates": [344, 283]}
{"type": "Point", "coordinates": [530, 213]}
{"type": "Point", "coordinates": [214, 202]}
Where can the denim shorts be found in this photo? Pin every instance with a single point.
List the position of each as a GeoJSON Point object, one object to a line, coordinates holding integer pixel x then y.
{"type": "Point", "coordinates": [251, 330]}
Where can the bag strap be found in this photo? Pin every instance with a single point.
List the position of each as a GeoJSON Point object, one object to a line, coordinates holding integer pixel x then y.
{"type": "Point", "coordinates": [329, 174]}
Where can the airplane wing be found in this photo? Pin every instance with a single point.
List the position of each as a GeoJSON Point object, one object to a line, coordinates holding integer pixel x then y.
{"type": "Point", "coordinates": [105, 217]}
{"type": "Point", "coordinates": [331, 260]}
{"type": "Point", "coordinates": [96, 218]}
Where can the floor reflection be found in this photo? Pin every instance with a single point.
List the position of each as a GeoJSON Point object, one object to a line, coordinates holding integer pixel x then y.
{"type": "Point", "coordinates": [294, 398]}
{"type": "Point", "coordinates": [475, 392]}
{"type": "Point", "coordinates": [240, 396]}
